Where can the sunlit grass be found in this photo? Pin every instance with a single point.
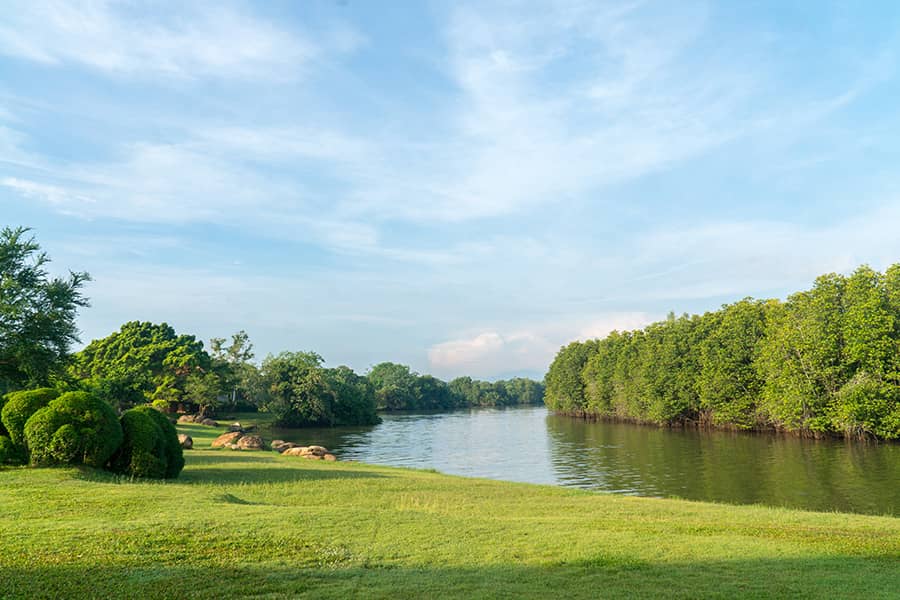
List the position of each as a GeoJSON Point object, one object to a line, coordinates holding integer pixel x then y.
{"type": "Point", "coordinates": [240, 524]}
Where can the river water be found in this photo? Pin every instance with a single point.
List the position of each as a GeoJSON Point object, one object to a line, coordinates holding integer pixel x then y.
{"type": "Point", "coordinates": [532, 445]}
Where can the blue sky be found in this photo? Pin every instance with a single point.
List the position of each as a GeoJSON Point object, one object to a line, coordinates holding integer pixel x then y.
{"type": "Point", "coordinates": [461, 187]}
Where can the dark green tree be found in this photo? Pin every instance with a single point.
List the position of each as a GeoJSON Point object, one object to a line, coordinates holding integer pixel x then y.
{"type": "Point", "coordinates": [37, 313]}
{"type": "Point", "coordinates": [395, 386]}
{"type": "Point", "coordinates": [564, 384]}
{"type": "Point", "coordinates": [141, 363]}
{"type": "Point", "coordinates": [238, 375]}
{"type": "Point", "coordinates": [302, 393]}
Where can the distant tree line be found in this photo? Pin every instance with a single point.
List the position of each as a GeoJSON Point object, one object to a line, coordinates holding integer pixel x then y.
{"type": "Point", "coordinates": [398, 388]}
{"type": "Point", "coordinates": [151, 364]}
{"type": "Point", "coordinates": [825, 361]}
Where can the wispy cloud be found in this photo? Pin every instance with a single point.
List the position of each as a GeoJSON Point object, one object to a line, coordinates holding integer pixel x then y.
{"type": "Point", "coordinates": [183, 41]}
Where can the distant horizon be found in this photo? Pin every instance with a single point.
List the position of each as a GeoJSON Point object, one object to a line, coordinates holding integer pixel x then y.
{"type": "Point", "coordinates": [459, 187]}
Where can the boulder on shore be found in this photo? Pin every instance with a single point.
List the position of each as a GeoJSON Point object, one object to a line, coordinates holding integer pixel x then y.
{"type": "Point", "coordinates": [282, 446]}
{"type": "Point", "coordinates": [186, 441]}
{"type": "Point", "coordinates": [226, 439]}
{"type": "Point", "coordinates": [251, 442]}
{"type": "Point", "coordinates": [310, 452]}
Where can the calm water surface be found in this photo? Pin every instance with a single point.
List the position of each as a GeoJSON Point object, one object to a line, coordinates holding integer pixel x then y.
{"type": "Point", "coordinates": [532, 445]}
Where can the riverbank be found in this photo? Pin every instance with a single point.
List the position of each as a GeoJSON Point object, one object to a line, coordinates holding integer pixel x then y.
{"type": "Point", "coordinates": [258, 524]}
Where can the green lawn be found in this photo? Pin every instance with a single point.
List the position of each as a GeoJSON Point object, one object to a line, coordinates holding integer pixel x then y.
{"type": "Point", "coordinates": [243, 524]}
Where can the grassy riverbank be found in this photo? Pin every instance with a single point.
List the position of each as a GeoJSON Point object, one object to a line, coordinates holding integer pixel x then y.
{"type": "Point", "coordinates": [258, 524]}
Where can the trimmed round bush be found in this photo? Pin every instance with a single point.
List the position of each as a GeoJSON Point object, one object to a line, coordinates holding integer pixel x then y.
{"type": "Point", "coordinates": [174, 451]}
{"type": "Point", "coordinates": [150, 447]}
{"type": "Point", "coordinates": [18, 409]}
{"type": "Point", "coordinates": [10, 454]}
{"type": "Point", "coordinates": [3, 401]}
{"type": "Point", "coordinates": [76, 428]}
{"type": "Point", "coordinates": [143, 449]}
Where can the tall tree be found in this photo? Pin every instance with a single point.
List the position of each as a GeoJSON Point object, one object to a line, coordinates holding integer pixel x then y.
{"type": "Point", "coordinates": [729, 384]}
{"type": "Point", "coordinates": [563, 382]}
{"type": "Point", "coordinates": [37, 312]}
{"type": "Point", "coordinates": [239, 377]}
{"type": "Point", "coordinates": [142, 362]}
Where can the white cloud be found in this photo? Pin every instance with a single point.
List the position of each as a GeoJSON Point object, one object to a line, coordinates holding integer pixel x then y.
{"type": "Point", "coordinates": [193, 41]}
{"type": "Point", "coordinates": [56, 196]}
{"type": "Point", "coordinates": [529, 349]}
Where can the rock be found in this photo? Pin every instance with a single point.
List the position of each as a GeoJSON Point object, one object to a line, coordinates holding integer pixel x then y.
{"type": "Point", "coordinates": [226, 438]}
{"type": "Point", "coordinates": [209, 423]}
{"type": "Point", "coordinates": [186, 441]}
{"type": "Point", "coordinates": [318, 450]}
{"type": "Point", "coordinates": [282, 446]}
{"type": "Point", "coordinates": [251, 442]}
{"type": "Point", "coordinates": [186, 419]}
{"type": "Point", "coordinates": [232, 446]}
{"type": "Point", "coordinates": [235, 427]}
{"type": "Point", "coordinates": [310, 452]}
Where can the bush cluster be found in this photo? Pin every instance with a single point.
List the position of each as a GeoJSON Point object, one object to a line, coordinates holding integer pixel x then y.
{"type": "Point", "coordinates": [79, 428]}
{"type": "Point", "coordinates": [150, 446]}
{"type": "Point", "coordinates": [18, 408]}
{"type": "Point", "coordinates": [76, 428]}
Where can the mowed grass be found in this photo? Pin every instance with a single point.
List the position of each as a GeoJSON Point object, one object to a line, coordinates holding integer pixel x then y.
{"type": "Point", "coordinates": [256, 524]}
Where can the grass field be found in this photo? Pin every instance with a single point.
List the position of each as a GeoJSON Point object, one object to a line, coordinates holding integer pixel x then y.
{"type": "Point", "coordinates": [244, 524]}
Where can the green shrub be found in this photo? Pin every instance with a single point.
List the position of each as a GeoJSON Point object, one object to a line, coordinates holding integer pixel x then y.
{"type": "Point", "coordinates": [174, 452]}
{"type": "Point", "coordinates": [150, 447]}
{"type": "Point", "coordinates": [143, 449]}
{"type": "Point", "coordinates": [10, 453]}
{"type": "Point", "coordinates": [76, 428]}
{"type": "Point", "coordinates": [18, 409]}
{"type": "Point", "coordinates": [867, 405]}
{"type": "Point", "coordinates": [3, 400]}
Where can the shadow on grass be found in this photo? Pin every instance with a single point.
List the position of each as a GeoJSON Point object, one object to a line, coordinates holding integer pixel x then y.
{"type": "Point", "coordinates": [836, 576]}
{"type": "Point", "coordinates": [248, 474]}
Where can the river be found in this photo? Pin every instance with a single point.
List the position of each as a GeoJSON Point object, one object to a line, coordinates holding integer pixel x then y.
{"type": "Point", "coordinates": [532, 445]}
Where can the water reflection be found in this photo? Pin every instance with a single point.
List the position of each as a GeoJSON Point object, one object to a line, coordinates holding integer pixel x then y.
{"type": "Point", "coordinates": [531, 445]}
{"type": "Point", "coordinates": [727, 466]}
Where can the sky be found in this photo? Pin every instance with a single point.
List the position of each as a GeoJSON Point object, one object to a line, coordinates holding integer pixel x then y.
{"type": "Point", "coordinates": [462, 187]}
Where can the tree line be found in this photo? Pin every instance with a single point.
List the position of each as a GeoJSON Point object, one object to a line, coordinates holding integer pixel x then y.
{"type": "Point", "coordinates": [148, 363]}
{"type": "Point", "coordinates": [824, 362]}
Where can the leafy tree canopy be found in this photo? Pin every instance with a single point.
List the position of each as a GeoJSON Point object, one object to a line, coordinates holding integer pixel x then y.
{"type": "Point", "coordinates": [37, 313]}
{"type": "Point", "coordinates": [142, 362]}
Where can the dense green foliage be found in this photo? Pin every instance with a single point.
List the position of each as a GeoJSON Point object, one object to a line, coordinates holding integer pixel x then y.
{"type": "Point", "coordinates": [76, 428]}
{"type": "Point", "coordinates": [146, 362]}
{"type": "Point", "coordinates": [174, 454]}
{"type": "Point", "coordinates": [399, 388]}
{"type": "Point", "coordinates": [240, 379]}
{"type": "Point", "coordinates": [10, 453]}
{"type": "Point", "coordinates": [143, 449]}
{"type": "Point", "coordinates": [240, 523]}
{"type": "Point", "coordinates": [37, 313]}
{"type": "Point", "coordinates": [302, 393]}
{"type": "Point", "coordinates": [18, 409]}
{"type": "Point", "coordinates": [150, 446]}
{"type": "Point", "coordinates": [467, 392]}
{"type": "Point", "coordinates": [826, 361]}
